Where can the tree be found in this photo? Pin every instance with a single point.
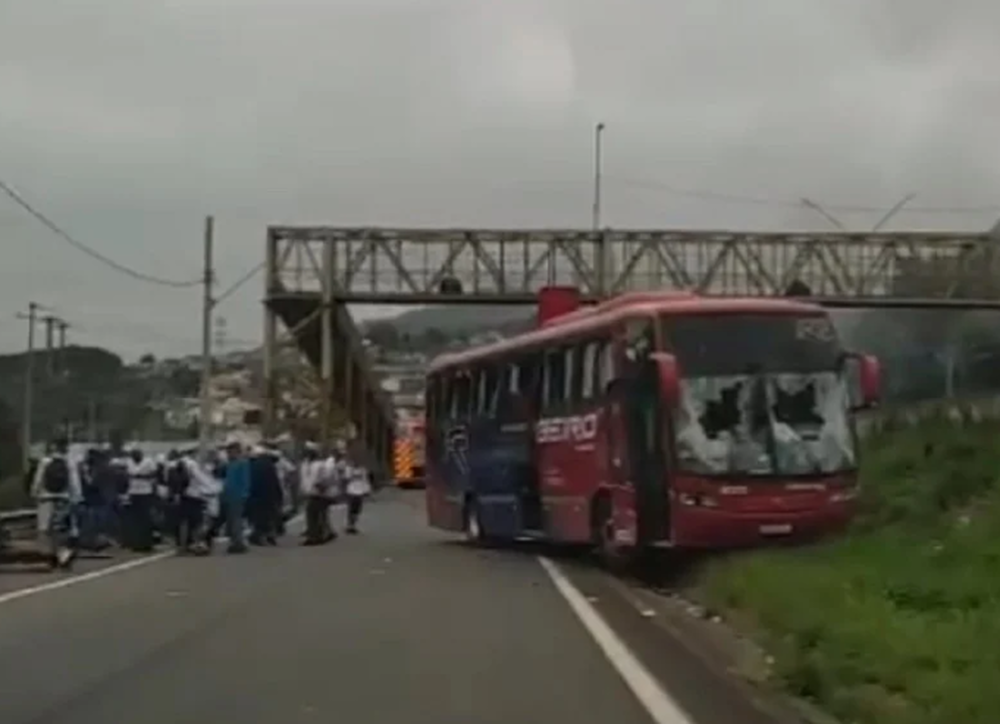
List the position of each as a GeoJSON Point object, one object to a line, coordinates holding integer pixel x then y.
{"type": "Point", "coordinates": [147, 360]}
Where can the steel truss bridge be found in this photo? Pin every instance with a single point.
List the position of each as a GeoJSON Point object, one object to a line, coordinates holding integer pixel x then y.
{"type": "Point", "coordinates": [313, 272]}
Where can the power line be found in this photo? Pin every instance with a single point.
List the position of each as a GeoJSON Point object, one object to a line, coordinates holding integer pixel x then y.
{"type": "Point", "coordinates": [710, 195]}
{"type": "Point", "coordinates": [92, 253]}
{"type": "Point", "coordinates": [239, 283]}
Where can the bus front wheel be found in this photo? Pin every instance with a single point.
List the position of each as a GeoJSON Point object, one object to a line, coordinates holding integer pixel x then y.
{"type": "Point", "coordinates": [609, 551]}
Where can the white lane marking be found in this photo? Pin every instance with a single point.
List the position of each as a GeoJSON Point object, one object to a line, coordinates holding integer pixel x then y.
{"type": "Point", "coordinates": [101, 573]}
{"type": "Point", "coordinates": [656, 701]}
{"type": "Point", "coordinates": [73, 580]}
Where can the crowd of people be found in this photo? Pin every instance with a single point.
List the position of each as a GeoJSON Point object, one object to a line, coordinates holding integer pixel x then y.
{"type": "Point", "coordinates": [119, 496]}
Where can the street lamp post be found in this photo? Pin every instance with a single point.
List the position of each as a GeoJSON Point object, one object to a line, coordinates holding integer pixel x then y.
{"type": "Point", "coordinates": [598, 132]}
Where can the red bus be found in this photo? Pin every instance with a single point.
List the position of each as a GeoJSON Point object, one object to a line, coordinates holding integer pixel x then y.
{"type": "Point", "coordinates": [650, 420]}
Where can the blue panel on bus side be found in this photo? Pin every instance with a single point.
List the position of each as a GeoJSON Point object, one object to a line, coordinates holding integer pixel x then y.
{"type": "Point", "coordinates": [495, 459]}
{"type": "Point", "coordinates": [455, 462]}
{"type": "Point", "coordinates": [500, 516]}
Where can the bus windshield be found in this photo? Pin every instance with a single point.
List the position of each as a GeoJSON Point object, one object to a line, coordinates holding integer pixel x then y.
{"type": "Point", "coordinates": [762, 395]}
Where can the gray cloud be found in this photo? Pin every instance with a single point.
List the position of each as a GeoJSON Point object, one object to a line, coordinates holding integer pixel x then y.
{"type": "Point", "coordinates": [127, 122]}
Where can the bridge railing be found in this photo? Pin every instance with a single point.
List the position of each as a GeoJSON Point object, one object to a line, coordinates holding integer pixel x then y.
{"type": "Point", "coordinates": [18, 523]}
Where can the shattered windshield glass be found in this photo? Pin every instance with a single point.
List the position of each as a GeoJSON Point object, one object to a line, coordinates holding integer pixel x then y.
{"type": "Point", "coordinates": [761, 395]}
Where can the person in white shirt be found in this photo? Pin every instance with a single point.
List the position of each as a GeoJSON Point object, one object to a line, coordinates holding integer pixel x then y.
{"type": "Point", "coordinates": [315, 480]}
{"type": "Point", "coordinates": [142, 480]}
{"type": "Point", "coordinates": [290, 494]}
{"type": "Point", "coordinates": [357, 486]}
{"type": "Point", "coordinates": [56, 488]}
{"type": "Point", "coordinates": [190, 487]}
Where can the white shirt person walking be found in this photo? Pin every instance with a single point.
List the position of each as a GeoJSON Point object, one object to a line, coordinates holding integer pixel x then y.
{"type": "Point", "coordinates": [357, 485]}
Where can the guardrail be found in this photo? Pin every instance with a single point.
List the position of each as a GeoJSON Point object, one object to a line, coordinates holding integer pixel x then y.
{"type": "Point", "coordinates": [957, 410]}
{"type": "Point", "coordinates": [17, 516]}
{"type": "Point", "coordinates": [18, 524]}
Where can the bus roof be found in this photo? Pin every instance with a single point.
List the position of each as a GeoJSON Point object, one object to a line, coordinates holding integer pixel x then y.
{"type": "Point", "coordinates": [617, 309]}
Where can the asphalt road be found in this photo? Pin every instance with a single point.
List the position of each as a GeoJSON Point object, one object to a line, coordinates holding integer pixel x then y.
{"type": "Point", "coordinates": [399, 624]}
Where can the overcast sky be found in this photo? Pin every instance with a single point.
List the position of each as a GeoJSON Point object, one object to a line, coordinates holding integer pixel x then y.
{"type": "Point", "coordinates": [128, 121]}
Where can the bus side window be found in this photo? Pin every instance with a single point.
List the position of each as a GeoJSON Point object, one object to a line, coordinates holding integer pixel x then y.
{"type": "Point", "coordinates": [571, 378]}
{"type": "Point", "coordinates": [479, 398]}
{"type": "Point", "coordinates": [488, 391]}
{"type": "Point", "coordinates": [509, 403]}
{"type": "Point", "coordinates": [468, 393]}
{"type": "Point", "coordinates": [512, 383]}
{"type": "Point", "coordinates": [553, 380]}
{"type": "Point", "coordinates": [589, 386]}
{"type": "Point", "coordinates": [531, 376]}
{"type": "Point", "coordinates": [605, 366]}
{"type": "Point", "coordinates": [449, 400]}
{"type": "Point", "coordinates": [461, 396]}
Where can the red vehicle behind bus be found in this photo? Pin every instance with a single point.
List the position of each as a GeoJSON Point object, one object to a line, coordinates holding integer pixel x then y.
{"type": "Point", "coordinates": [651, 420]}
{"type": "Point", "coordinates": [409, 453]}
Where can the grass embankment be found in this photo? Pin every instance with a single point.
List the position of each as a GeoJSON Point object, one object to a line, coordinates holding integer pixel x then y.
{"type": "Point", "coordinates": [899, 621]}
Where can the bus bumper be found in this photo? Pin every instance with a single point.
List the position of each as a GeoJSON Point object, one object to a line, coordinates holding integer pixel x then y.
{"type": "Point", "coordinates": [707, 528]}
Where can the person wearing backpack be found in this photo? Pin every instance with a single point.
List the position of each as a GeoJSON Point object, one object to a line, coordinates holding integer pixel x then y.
{"type": "Point", "coordinates": [188, 487]}
{"type": "Point", "coordinates": [56, 489]}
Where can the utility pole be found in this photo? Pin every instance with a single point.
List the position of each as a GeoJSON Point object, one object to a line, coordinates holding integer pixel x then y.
{"type": "Point", "coordinates": [50, 328]}
{"type": "Point", "coordinates": [205, 415]}
{"type": "Point", "coordinates": [63, 325]}
{"type": "Point", "coordinates": [603, 260]}
{"type": "Point", "coordinates": [29, 382]}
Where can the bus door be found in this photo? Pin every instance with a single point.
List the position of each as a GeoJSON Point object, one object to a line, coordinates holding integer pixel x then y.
{"type": "Point", "coordinates": [642, 426]}
{"type": "Point", "coordinates": [518, 435]}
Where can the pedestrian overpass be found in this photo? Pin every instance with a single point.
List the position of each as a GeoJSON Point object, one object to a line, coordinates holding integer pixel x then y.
{"type": "Point", "coordinates": [314, 272]}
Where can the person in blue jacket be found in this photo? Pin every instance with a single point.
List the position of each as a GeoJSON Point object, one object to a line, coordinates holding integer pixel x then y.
{"type": "Point", "coordinates": [235, 491]}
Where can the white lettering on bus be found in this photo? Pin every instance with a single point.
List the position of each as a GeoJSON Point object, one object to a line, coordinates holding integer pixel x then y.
{"type": "Point", "coordinates": [575, 428]}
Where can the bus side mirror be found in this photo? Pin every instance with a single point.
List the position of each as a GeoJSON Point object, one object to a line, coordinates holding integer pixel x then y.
{"type": "Point", "coordinates": [669, 375]}
{"type": "Point", "coordinates": [864, 379]}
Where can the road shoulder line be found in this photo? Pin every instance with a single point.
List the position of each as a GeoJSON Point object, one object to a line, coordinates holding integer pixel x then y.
{"type": "Point", "coordinates": [103, 572]}
{"type": "Point", "coordinates": [83, 577]}
{"type": "Point", "coordinates": [654, 699]}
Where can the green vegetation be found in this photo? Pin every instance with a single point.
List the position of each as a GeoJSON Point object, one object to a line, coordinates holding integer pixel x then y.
{"type": "Point", "coordinates": [80, 387]}
{"type": "Point", "coordinates": [897, 622]}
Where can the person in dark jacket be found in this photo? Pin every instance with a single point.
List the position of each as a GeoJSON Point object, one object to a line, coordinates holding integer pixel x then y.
{"type": "Point", "coordinates": [264, 504]}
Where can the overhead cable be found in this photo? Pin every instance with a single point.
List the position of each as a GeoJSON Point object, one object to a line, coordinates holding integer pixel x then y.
{"type": "Point", "coordinates": [92, 253]}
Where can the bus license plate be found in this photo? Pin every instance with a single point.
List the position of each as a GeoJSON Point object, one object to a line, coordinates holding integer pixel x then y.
{"type": "Point", "coordinates": [776, 529]}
